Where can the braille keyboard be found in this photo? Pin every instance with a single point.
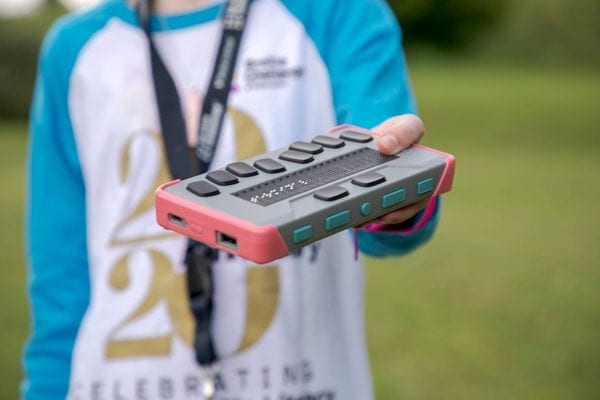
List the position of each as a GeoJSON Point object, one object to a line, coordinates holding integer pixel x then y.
{"type": "Point", "coordinates": [267, 206]}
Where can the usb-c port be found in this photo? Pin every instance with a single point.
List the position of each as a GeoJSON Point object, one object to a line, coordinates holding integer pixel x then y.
{"type": "Point", "coordinates": [177, 220]}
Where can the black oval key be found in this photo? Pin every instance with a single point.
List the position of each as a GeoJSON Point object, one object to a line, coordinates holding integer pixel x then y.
{"type": "Point", "coordinates": [328, 141]}
{"type": "Point", "coordinates": [269, 166]}
{"type": "Point", "coordinates": [368, 179]}
{"type": "Point", "coordinates": [202, 188]}
{"type": "Point", "coordinates": [222, 178]}
{"type": "Point", "coordinates": [306, 147]}
{"type": "Point", "coordinates": [331, 193]}
{"type": "Point", "coordinates": [241, 169]}
{"type": "Point", "coordinates": [356, 136]}
{"type": "Point", "coordinates": [296, 156]}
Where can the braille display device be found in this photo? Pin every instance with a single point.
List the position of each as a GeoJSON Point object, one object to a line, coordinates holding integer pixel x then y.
{"type": "Point", "coordinates": [267, 206]}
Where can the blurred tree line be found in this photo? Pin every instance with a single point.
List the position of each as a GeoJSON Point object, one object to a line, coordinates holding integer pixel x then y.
{"type": "Point", "coordinates": [447, 24]}
{"type": "Point", "coordinates": [539, 31]}
{"type": "Point", "coordinates": [20, 40]}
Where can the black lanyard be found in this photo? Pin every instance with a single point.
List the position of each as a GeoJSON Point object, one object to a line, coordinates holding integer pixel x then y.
{"type": "Point", "coordinates": [185, 162]}
{"type": "Point", "coordinates": [182, 162]}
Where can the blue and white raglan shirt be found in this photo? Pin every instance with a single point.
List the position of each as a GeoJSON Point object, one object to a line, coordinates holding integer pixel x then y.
{"type": "Point", "coordinates": [110, 313]}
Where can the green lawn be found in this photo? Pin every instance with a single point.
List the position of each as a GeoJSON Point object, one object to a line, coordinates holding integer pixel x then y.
{"type": "Point", "coordinates": [504, 303]}
{"type": "Point", "coordinates": [14, 319]}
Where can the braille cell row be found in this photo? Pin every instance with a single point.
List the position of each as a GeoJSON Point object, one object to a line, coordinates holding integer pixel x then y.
{"type": "Point", "coordinates": [313, 176]}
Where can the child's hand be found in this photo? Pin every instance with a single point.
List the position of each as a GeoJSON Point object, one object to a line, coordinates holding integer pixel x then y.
{"type": "Point", "coordinates": [394, 135]}
{"type": "Point", "coordinates": [398, 133]}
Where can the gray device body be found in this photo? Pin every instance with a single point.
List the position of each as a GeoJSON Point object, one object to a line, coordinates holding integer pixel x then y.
{"type": "Point", "coordinates": [323, 190]}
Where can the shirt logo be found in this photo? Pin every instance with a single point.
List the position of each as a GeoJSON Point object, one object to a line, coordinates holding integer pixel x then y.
{"type": "Point", "coordinates": [270, 72]}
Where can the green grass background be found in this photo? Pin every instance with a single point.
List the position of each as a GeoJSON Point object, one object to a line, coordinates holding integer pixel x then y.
{"type": "Point", "coordinates": [504, 302]}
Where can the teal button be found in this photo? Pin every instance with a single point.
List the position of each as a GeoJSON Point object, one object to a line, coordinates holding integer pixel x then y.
{"type": "Point", "coordinates": [302, 234]}
{"type": "Point", "coordinates": [337, 220]}
{"type": "Point", "coordinates": [424, 186]}
{"type": "Point", "coordinates": [366, 208]}
{"type": "Point", "coordinates": [393, 198]}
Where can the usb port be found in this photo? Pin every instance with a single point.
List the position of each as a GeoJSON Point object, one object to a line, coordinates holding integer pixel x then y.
{"type": "Point", "coordinates": [177, 220]}
{"type": "Point", "coordinates": [227, 240]}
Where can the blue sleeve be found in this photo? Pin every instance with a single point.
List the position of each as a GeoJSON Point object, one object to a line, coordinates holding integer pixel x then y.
{"type": "Point", "coordinates": [361, 44]}
{"type": "Point", "coordinates": [58, 277]}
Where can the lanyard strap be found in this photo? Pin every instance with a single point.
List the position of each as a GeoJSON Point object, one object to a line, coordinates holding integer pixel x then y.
{"type": "Point", "coordinates": [215, 102]}
{"type": "Point", "coordinates": [183, 162]}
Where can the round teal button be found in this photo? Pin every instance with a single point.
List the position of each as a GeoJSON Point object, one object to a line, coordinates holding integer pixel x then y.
{"type": "Point", "coordinates": [366, 208]}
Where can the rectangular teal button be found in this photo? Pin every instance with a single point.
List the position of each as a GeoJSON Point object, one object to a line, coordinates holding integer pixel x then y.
{"type": "Point", "coordinates": [337, 220]}
{"type": "Point", "coordinates": [302, 234]}
{"type": "Point", "coordinates": [424, 186]}
{"type": "Point", "coordinates": [393, 198]}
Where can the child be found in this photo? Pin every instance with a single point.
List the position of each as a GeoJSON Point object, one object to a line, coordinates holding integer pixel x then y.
{"type": "Point", "coordinates": [107, 284]}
